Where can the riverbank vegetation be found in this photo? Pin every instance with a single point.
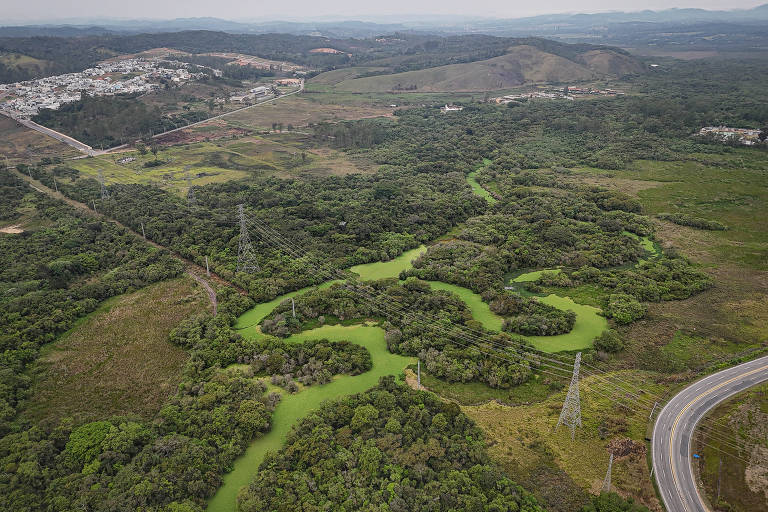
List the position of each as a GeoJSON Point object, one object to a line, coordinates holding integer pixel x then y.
{"type": "Point", "coordinates": [444, 356]}
{"type": "Point", "coordinates": [390, 448]}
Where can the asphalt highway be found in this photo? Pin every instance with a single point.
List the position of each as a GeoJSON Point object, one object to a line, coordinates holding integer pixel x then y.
{"type": "Point", "coordinates": [676, 423]}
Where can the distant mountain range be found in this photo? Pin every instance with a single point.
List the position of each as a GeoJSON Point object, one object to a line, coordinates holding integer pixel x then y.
{"type": "Point", "coordinates": [560, 25]}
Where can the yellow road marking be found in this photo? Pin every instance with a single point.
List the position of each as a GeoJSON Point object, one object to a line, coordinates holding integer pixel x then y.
{"type": "Point", "coordinates": [674, 425]}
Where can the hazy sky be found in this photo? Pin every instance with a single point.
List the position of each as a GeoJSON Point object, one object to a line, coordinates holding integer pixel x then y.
{"type": "Point", "coordinates": [37, 10]}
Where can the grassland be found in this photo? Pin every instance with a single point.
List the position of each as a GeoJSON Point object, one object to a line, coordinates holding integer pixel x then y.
{"type": "Point", "coordinates": [117, 360]}
{"type": "Point", "coordinates": [283, 155]}
{"type": "Point", "coordinates": [524, 64]}
{"type": "Point", "coordinates": [19, 143]}
{"type": "Point", "coordinates": [558, 469]}
{"type": "Point", "coordinates": [736, 479]}
{"type": "Point", "coordinates": [293, 407]}
{"type": "Point", "coordinates": [19, 60]}
{"type": "Point", "coordinates": [731, 317]}
{"type": "Point", "coordinates": [304, 109]}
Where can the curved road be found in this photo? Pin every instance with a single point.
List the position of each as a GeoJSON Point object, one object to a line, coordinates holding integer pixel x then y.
{"type": "Point", "coordinates": [673, 431]}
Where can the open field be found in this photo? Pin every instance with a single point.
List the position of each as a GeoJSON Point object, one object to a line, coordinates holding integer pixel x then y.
{"type": "Point", "coordinates": [300, 110]}
{"type": "Point", "coordinates": [19, 60]}
{"type": "Point", "coordinates": [284, 155]}
{"type": "Point", "coordinates": [523, 64]}
{"type": "Point", "coordinates": [731, 483]}
{"type": "Point", "coordinates": [22, 144]}
{"type": "Point", "coordinates": [117, 360]}
{"type": "Point", "coordinates": [732, 316]}
{"type": "Point", "coordinates": [559, 470]}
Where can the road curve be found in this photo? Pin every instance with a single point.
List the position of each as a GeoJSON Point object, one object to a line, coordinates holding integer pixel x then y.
{"type": "Point", "coordinates": [675, 425]}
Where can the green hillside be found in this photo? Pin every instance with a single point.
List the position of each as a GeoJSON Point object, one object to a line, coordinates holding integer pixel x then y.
{"type": "Point", "coordinates": [522, 64]}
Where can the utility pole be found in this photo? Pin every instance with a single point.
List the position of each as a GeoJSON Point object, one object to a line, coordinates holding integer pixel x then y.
{"type": "Point", "coordinates": [653, 410]}
{"type": "Point", "coordinates": [142, 231]}
{"type": "Point", "coordinates": [94, 204]}
{"type": "Point", "coordinates": [104, 191]}
{"type": "Point", "coordinates": [607, 481]}
{"type": "Point", "coordinates": [55, 185]}
{"type": "Point", "coordinates": [246, 261]}
{"type": "Point", "coordinates": [207, 268]}
{"type": "Point", "coordinates": [571, 413]}
{"type": "Point", "coordinates": [293, 307]}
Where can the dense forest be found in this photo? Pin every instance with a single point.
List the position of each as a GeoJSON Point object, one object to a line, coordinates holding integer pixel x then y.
{"type": "Point", "coordinates": [413, 333]}
{"type": "Point", "coordinates": [340, 221]}
{"type": "Point", "coordinates": [52, 276]}
{"type": "Point", "coordinates": [388, 449]}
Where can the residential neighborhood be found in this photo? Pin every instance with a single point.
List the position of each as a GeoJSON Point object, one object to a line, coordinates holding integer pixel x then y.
{"type": "Point", "coordinates": [26, 99]}
{"type": "Point", "coordinates": [745, 136]}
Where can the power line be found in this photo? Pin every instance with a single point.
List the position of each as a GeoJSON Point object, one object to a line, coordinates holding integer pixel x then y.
{"type": "Point", "coordinates": [571, 413]}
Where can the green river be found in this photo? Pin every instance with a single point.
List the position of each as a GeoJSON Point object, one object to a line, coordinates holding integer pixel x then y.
{"type": "Point", "coordinates": [294, 407]}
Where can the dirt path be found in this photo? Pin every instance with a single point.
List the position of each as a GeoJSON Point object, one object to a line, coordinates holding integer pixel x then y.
{"type": "Point", "coordinates": [193, 269]}
{"type": "Point", "coordinates": [208, 288]}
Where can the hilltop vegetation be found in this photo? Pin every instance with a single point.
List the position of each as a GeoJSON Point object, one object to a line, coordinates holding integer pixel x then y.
{"type": "Point", "coordinates": [520, 65]}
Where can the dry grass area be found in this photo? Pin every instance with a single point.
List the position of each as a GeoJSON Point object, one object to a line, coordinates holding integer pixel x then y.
{"type": "Point", "coordinates": [736, 480]}
{"type": "Point", "coordinates": [561, 471]}
{"type": "Point", "coordinates": [20, 143]}
{"type": "Point", "coordinates": [300, 110]}
{"type": "Point", "coordinates": [118, 360]}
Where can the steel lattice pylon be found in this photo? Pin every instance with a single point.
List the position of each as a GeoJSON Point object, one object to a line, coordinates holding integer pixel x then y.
{"type": "Point", "coordinates": [104, 191]}
{"type": "Point", "coordinates": [246, 260]}
{"type": "Point", "coordinates": [571, 413]}
{"type": "Point", "coordinates": [607, 481]}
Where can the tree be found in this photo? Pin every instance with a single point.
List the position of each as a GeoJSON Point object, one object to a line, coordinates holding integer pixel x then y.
{"type": "Point", "coordinates": [142, 148]}
{"type": "Point", "coordinates": [609, 341]}
{"type": "Point", "coordinates": [763, 135]}
{"type": "Point", "coordinates": [155, 149]}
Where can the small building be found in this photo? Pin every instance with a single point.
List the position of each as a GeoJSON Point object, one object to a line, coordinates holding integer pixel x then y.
{"type": "Point", "coordinates": [259, 91]}
{"type": "Point", "coordinates": [451, 108]}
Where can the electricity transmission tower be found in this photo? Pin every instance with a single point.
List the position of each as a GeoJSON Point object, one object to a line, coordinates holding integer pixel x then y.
{"type": "Point", "coordinates": [190, 192]}
{"type": "Point", "coordinates": [607, 481]}
{"type": "Point", "coordinates": [571, 413]}
{"type": "Point", "coordinates": [104, 191]}
{"type": "Point", "coordinates": [246, 260]}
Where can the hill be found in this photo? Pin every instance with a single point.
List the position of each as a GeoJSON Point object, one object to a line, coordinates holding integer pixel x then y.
{"type": "Point", "coordinates": [520, 65]}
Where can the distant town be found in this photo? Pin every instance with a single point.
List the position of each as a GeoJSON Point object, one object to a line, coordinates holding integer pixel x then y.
{"type": "Point", "coordinates": [108, 78]}
{"type": "Point", "coordinates": [566, 93]}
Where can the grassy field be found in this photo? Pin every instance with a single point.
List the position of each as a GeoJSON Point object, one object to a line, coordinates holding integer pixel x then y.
{"type": "Point", "coordinates": [736, 480]}
{"type": "Point", "coordinates": [19, 143]}
{"type": "Point", "coordinates": [524, 64]}
{"type": "Point", "coordinates": [303, 109]}
{"type": "Point", "coordinates": [560, 471]}
{"type": "Point", "coordinates": [117, 360]}
{"type": "Point", "coordinates": [475, 393]}
{"type": "Point", "coordinates": [294, 407]}
{"type": "Point", "coordinates": [19, 60]}
{"type": "Point", "coordinates": [283, 155]}
{"type": "Point", "coordinates": [732, 316]}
